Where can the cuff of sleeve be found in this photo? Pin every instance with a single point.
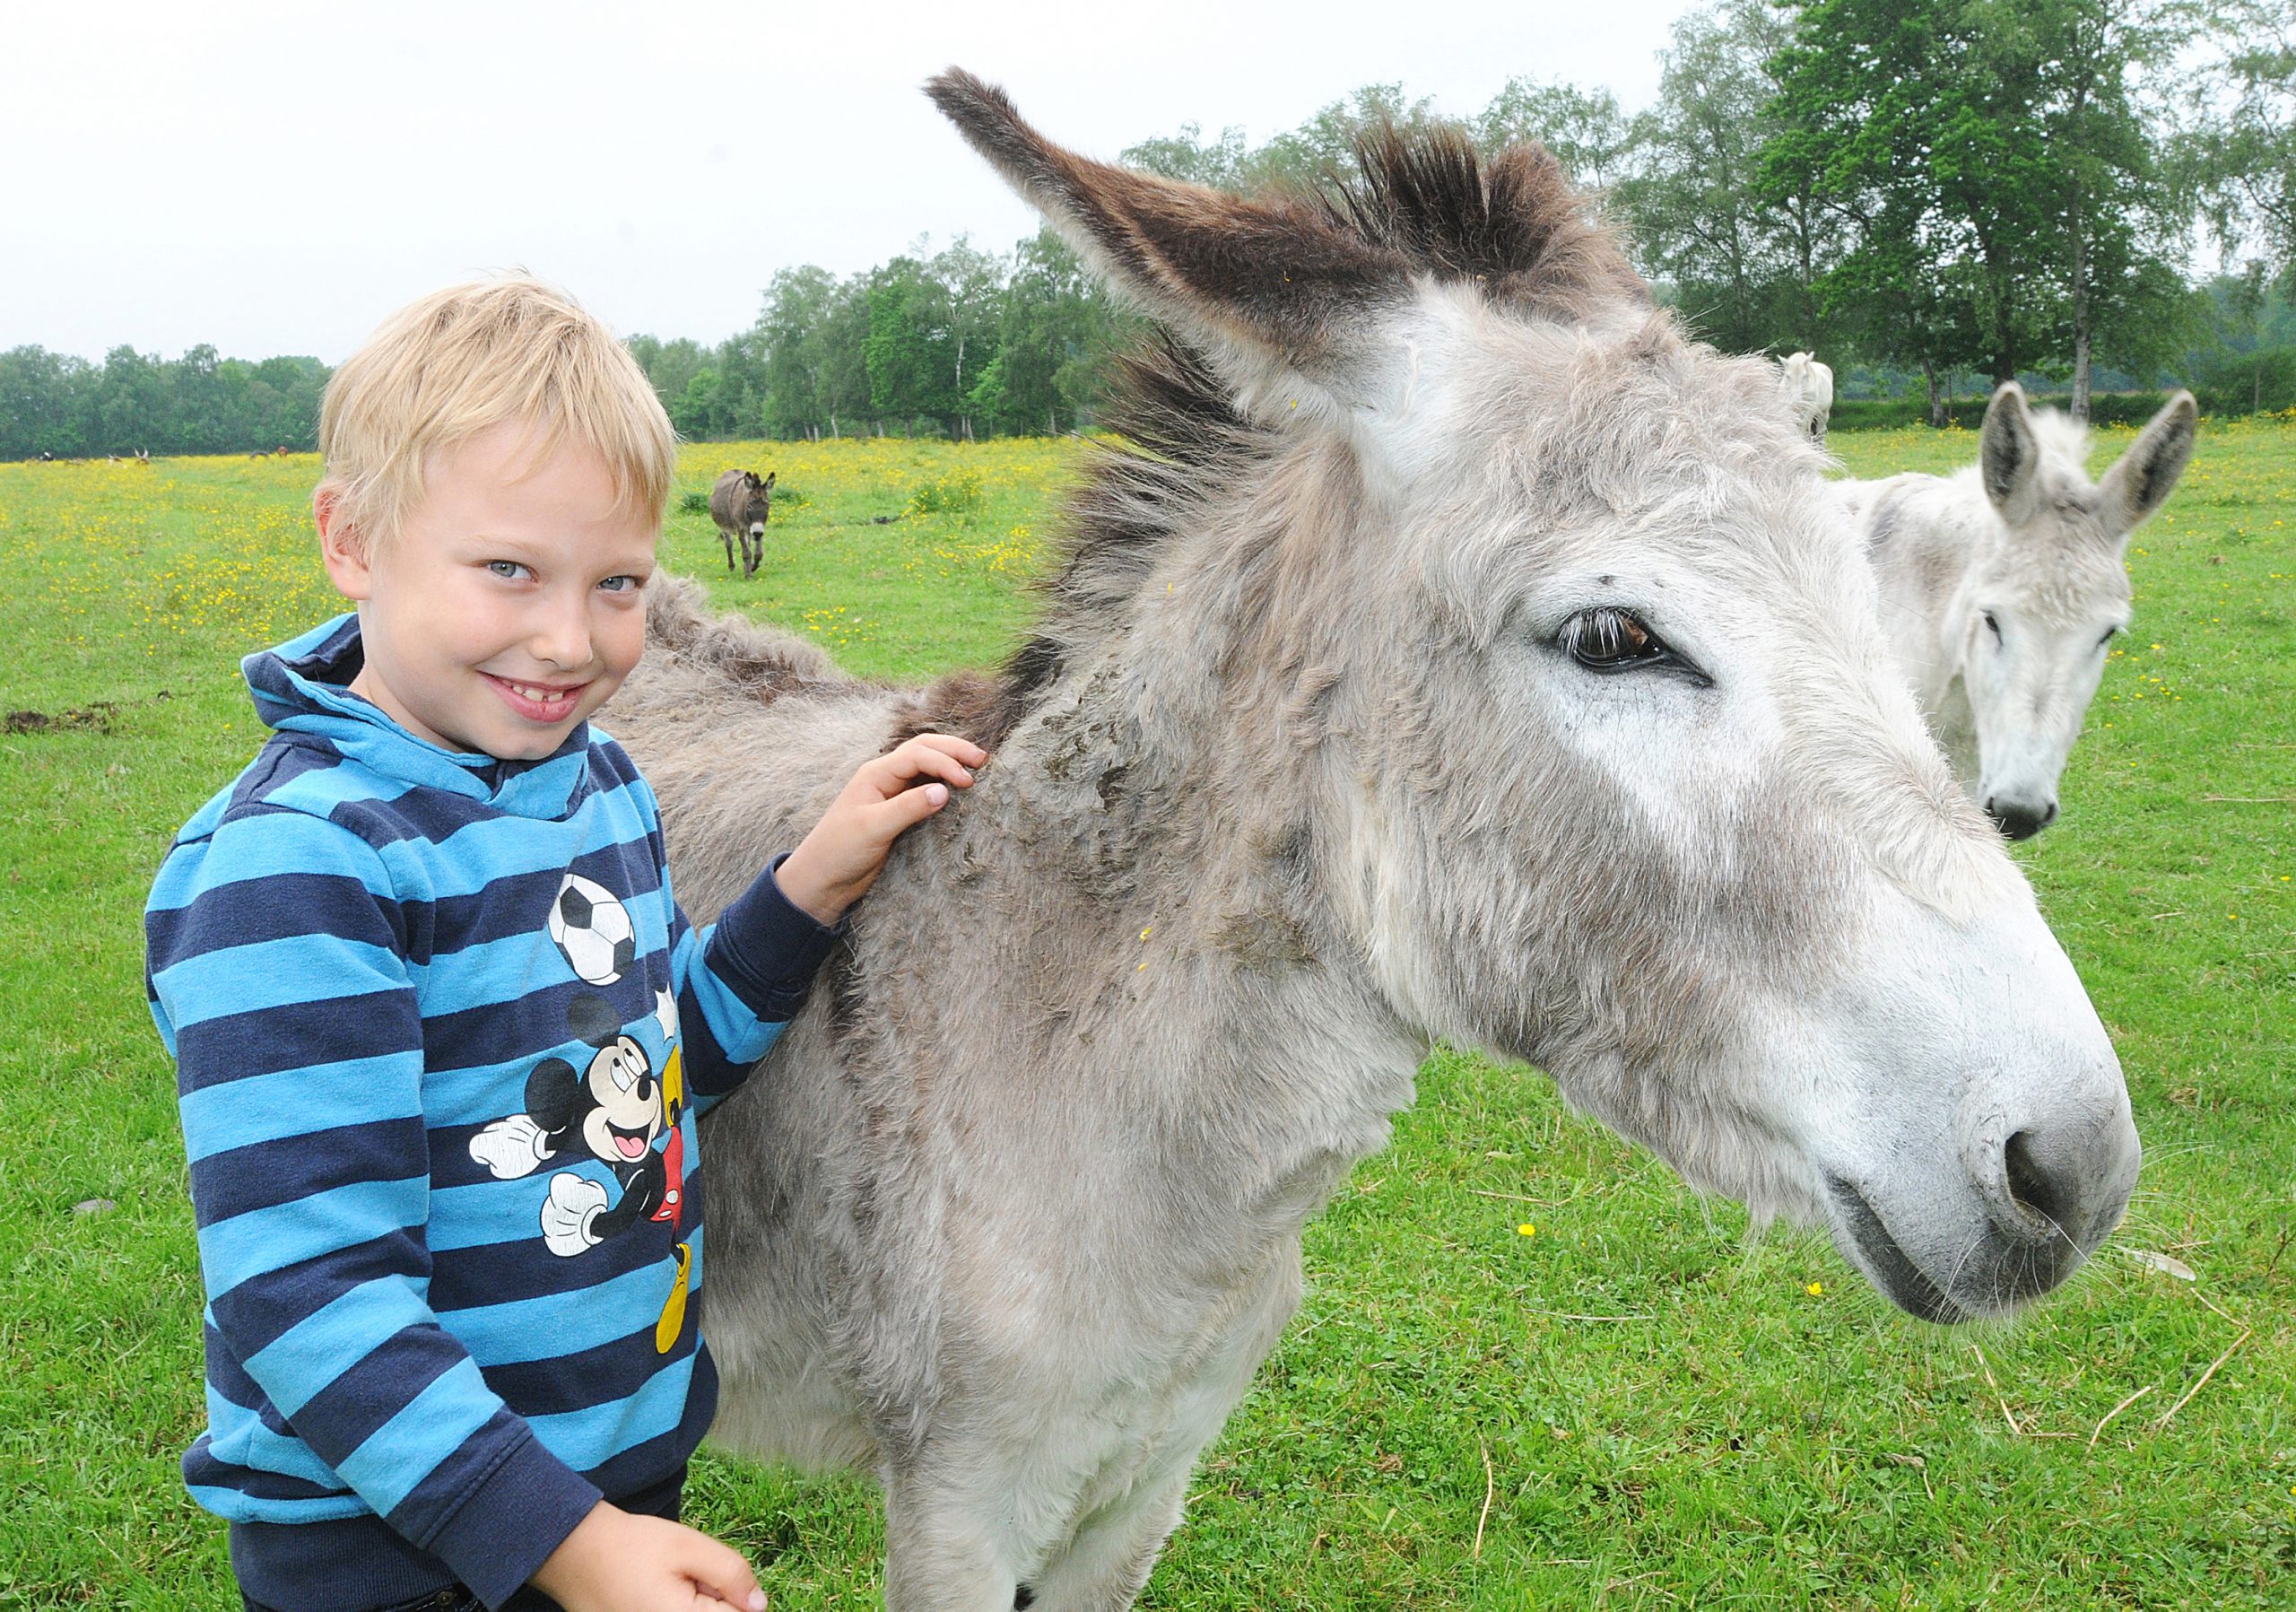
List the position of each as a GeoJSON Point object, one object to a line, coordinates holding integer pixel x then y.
{"type": "Point", "coordinates": [765, 949]}
{"type": "Point", "coordinates": [501, 1537]}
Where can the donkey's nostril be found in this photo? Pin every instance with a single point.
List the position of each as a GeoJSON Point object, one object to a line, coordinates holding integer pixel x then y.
{"type": "Point", "coordinates": [2033, 1187]}
{"type": "Point", "coordinates": [2017, 820]}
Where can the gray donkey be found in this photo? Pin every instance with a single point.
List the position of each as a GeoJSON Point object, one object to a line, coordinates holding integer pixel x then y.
{"type": "Point", "coordinates": [741, 504]}
{"type": "Point", "coordinates": [1459, 653]}
{"type": "Point", "coordinates": [2003, 586]}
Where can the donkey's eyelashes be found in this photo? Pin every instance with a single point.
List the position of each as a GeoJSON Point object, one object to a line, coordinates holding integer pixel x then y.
{"type": "Point", "coordinates": [1607, 638]}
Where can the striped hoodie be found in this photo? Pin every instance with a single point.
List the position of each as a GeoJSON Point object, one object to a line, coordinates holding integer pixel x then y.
{"type": "Point", "coordinates": [441, 1035]}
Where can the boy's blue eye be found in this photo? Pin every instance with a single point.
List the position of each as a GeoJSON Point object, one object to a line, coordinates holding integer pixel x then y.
{"type": "Point", "coordinates": [509, 569]}
{"type": "Point", "coordinates": [623, 584]}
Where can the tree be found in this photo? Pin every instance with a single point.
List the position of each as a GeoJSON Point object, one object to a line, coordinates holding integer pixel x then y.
{"type": "Point", "coordinates": [842, 382]}
{"type": "Point", "coordinates": [2240, 156]}
{"type": "Point", "coordinates": [1995, 173]}
{"type": "Point", "coordinates": [1057, 329]}
{"type": "Point", "coordinates": [691, 410]}
{"type": "Point", "coordinates": [41, 399]}
{"type": "Point", "coordinates": [1742, 257]}
{"type": "Point", "coordinates": [1898, 122]}
{"type": "Point", "coordinates": [1585, 129]}
{"type": "Point", "coordinates": [973, 287]}
{"type": "Point", "coordinates": [2244, 353]}
{"type": "Point", "coordinates": [910, 346]}
{"type": "Point", "coordinates": [670, 366]}
{"type": "Point", "coordinates": [2116, 219]}
{"type": "Point", "coordinates": [797, 304]}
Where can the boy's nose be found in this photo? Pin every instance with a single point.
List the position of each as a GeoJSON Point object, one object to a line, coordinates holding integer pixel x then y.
{"type": "Point", "coordinates": [562, 638]}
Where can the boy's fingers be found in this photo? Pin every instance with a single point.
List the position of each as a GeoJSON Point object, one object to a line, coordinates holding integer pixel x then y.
{"type": "Point", "coordinates": [949, 743]}
{"type": "Point", "coordinates": [926, 747]}
{"type": "Point", "coordinates": [891, 774]}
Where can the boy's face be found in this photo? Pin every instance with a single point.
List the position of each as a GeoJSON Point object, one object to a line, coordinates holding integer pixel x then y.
{"type": "Point", "coordinates": [508, 607]}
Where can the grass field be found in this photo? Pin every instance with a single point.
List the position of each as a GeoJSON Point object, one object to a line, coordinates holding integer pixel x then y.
{"type": "Point", "coordinates": [1634, 1405]}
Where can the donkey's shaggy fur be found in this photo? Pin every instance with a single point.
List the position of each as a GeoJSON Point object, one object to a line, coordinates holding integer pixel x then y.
{"type": "Point", "coordinates": [1421, 669]}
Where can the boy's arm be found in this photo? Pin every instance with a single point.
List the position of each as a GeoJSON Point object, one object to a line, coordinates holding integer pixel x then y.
{"type": "Point", "coordinates": [278, 977]}
{"type": "Point", "coordinates": [740, 980]}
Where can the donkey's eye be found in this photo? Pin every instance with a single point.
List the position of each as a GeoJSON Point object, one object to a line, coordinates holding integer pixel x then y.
{"type": "Point", "coordinates": [2110, 634]}
{"type": "Point", "coordinates": [1994, 622]}
{"type": "Point", "coordinates": [1610, 640]}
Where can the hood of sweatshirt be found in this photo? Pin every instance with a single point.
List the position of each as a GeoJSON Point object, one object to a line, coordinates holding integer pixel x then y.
{"type": "Point", "coordinates": [303, 686]}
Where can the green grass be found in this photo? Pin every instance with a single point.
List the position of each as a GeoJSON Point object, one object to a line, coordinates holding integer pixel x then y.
{"type": "Point", "coordinates": [1721, 1434]}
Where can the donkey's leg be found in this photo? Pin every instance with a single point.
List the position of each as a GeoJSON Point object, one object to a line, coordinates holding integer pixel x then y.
{"type": "Point", "coordinates": [752, 555]}
{"type": "Point", "coordinates": [942, 1552]}
{"type": "Point", "coordinates": [729, 537]}
{"type": "Point", "coordinates": [1107, 1563]}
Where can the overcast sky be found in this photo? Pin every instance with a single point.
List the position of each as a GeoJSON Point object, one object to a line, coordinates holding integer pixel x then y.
{"type": "Point", "coordinates": [275, 177]}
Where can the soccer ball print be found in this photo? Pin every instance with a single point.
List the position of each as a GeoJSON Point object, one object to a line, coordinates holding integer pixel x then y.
{"type": "Point", "coordinates": [592, 929]}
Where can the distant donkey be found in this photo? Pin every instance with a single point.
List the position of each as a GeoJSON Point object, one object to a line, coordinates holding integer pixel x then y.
{"type": "Point", "coordinates": [1445, 648]}
{"type": "Point", "coordinates": [741, 504]}
{"type": "Point", "coordinates": [2002, 585]}
{"type": "Point", "coordinates": [1809, 389]}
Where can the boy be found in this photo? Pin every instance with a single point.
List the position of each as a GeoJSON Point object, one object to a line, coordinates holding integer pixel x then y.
{"type": "Point", "coordinates": [441, 1033]}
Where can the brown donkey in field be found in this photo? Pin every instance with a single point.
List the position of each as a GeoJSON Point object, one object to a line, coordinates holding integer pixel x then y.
{"type": "Point", "coordinates": [1459, 653]}
{"type": "Point", "coordinates": [741, 504]}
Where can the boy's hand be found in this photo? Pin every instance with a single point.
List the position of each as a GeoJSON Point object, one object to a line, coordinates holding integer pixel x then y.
{"type": "Point", "coordinates": [615, 1561]}
{"type": "Point", "coordinates": [835, 865]}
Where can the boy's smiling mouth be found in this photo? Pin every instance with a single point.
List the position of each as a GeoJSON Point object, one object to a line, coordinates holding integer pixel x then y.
{"type": "Point", "coordinates": [537, 701]}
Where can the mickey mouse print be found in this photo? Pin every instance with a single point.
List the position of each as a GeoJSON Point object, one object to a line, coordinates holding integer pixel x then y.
{"type": "Point", "coordinates": [609, 1112]}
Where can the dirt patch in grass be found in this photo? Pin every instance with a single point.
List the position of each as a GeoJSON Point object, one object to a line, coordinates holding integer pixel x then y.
{"type": "Point", "coordinates": [98, 714]}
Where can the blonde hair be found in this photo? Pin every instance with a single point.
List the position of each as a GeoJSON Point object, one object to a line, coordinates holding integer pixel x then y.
{"type": "Point", "coordinates": [473, 356]}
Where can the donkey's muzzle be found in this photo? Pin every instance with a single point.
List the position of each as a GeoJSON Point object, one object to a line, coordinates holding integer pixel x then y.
{"type": "Point", "coordinates": [2046, 1194]}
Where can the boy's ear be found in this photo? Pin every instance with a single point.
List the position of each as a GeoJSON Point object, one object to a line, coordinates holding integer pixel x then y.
{"type": "Point", "coordinates": [340, 550]}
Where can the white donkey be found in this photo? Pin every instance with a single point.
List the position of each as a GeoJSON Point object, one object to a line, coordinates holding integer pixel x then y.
{"type": "Point", "coordinates": [1809, 391]}
{"type": "Point", "coordinates": [2002, 587]}
{"type": "Point", "coordinates": [1457, 652]}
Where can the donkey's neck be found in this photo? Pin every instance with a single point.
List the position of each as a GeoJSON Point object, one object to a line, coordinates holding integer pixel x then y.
{"type": "Point", "coordinates": [1161, 836]}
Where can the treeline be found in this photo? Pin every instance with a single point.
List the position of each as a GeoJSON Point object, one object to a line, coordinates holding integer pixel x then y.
{"type": "Point", "coordinates": [57, 403]}
{"type": "Point", "coordinates": [959, 342]}
{"type": "Point", "coordinates": [1933, 194]}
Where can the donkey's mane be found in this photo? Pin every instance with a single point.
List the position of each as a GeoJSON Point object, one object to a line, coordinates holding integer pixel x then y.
{"type": "Point", "coordinates": [1515, 225]}
{"type": "Point", "coordinates": [2062, 438]}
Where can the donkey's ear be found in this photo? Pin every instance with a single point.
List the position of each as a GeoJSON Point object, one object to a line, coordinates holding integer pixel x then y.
{"type": "Point", "coordinates": [2009, 456]}
{"type": "Point", "coordinates": [1271, 288]}
{"type": "Point", "coordinates": [2141, 480]}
